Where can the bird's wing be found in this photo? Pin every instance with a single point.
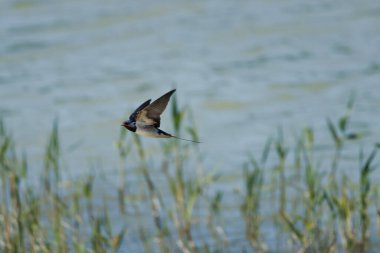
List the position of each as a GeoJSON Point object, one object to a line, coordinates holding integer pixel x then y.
{"type": "Point", "coordinates": [136, 112]}
{"type": "Point", "coordinates": [150, 115]}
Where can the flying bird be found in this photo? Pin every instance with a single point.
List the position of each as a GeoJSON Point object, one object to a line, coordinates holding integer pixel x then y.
{"type": "Point", "coordinates": [145, 120]}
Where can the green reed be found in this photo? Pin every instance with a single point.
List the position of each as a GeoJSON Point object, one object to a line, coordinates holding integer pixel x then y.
{"type": "Point", "coordinates": [251, 205]}
{"type": "Point", "coordinates": [307, 197]}
{"type": "Point", "coordinates": [186, 191]}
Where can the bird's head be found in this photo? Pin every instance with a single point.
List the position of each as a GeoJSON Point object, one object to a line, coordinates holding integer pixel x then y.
{"type": "Point", "coordinates": [131, 126]}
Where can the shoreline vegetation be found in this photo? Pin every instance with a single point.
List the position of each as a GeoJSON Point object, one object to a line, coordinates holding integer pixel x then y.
{"type": "Point", "coordinates": [285, 195]}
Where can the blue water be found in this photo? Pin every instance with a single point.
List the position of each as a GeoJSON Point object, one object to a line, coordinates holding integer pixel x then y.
{"type": "Point", "coordinates": [243, 67]}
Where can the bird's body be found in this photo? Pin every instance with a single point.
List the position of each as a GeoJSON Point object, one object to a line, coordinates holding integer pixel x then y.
{"type": "Point", "coordinates": [145, 120]}
{"type": "Point", "coordinates": [151, 131]}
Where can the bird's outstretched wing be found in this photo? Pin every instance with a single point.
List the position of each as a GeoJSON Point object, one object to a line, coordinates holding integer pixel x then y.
{"type": "Point", "coordinates": [136, 112]}
{"type": "Point", "coordinates": [150, 115]}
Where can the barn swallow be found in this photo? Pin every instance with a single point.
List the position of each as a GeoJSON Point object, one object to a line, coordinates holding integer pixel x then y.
{"type": "Point", "coordinates": [145, 120]}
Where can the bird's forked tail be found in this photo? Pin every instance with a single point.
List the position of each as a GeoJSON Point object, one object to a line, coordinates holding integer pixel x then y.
{"type": "Point", "coordinates": [170, 135]}
{"type": "Point", "coordinates": [184, 139]}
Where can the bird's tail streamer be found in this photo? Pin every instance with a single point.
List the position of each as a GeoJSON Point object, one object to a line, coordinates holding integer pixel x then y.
{"type": "Point", "coordinates": [185, 139]}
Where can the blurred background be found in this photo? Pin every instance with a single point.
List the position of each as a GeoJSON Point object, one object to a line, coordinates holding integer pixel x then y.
{"type": "Point", "coordinates": [241, 68]}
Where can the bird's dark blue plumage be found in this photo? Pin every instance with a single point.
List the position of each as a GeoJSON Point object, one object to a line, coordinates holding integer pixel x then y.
{"type": "Point", "coordinates": [145, 120]}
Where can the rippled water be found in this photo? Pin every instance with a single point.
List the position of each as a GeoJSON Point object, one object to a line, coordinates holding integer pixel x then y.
{"type": "Point", "coordinates": [244, 67]}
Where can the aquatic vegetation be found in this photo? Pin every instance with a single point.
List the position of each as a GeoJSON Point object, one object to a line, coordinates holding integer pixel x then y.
{"type": "Point", "coordinates": [291, 197]}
